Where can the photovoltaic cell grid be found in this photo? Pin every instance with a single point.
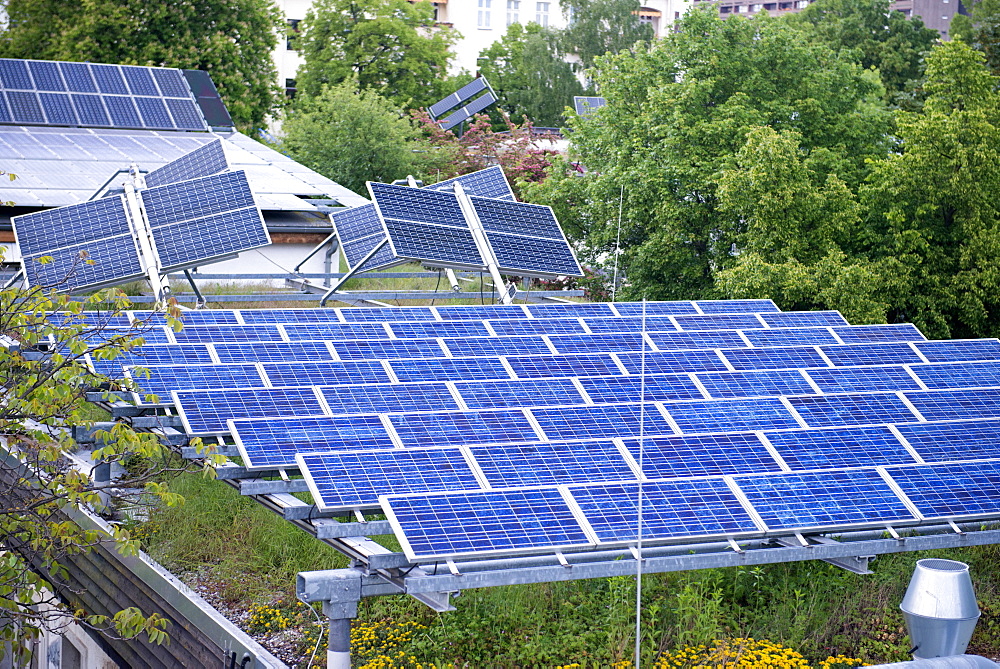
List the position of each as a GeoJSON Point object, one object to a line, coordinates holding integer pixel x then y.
{"type": "Point", "coordinates": [491, 183]}
{"type": "Point", "coordinates": [270, 442]}
{"type": "Point", "coordinates": [526, 238]}
{"type": "Point", "coordinates": [202, 162]}
{"type": "Point", "coordinates": [359, 231]}
{"type": "Point", "coordinates": [204, 219]}
{"type": "Point", "coordinates": [587, 105]}
{"type": "Point", "coordinates": [90, 245]}
{"type": "Point", "coordinates": [58, 93]}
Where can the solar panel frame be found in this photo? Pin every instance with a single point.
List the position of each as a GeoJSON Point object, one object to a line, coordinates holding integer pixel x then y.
{"type": "Point", "coordinates": [490, 182]}
{"type": "Point", "coordinates": [538, 464]}
{"type": "Point", "coordinates": [952, 491]}
{"type": "Point", "coordinates": [731, 415]}
{"type": "Point", "coordinates": [839, 448]}
{"type": "Point", "coordinates": [857, 409]}
{"type": "Point", "coordinates": [273, 443]}
{"type": "Point", "coordinates": [604, 421]}
{"type": "Point", "coordinates": [206, 160]}
{"type": "Point", "coordinates": [960, 440]}
{"type": "Point", "coordinates": [207, 412]}
{"type": "Point", "coordinates": [668, 457]}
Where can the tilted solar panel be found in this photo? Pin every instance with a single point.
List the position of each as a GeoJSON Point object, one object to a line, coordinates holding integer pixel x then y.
{"type": "Point", "coordinates": [678, 341]}
{"type": "Point", "coordinates": [702, 508]}
{"type": "Point", "coordinates": [652, 388]}
{"type": "Point", "coordinates": [600, 422]}
{"type": "Point", "coordinates": [343, 480]}
{"type": "Point", "coordinates": [538, 326]}
{"type": "Point", "coordinates": [509, 394]}
{"type": "Point", "coordinates": [481, 312]}
{"type": "Point", "coordinates": [653, 309]}
{"type": "Point", "coordinates": [737, 306]}
{"type": "Point", "coordinates": [491, 183]}
{"type": "Point", "coordinates": [587, 105]}
{"type": "Point", "coordinates": [540, 366]}
{"type": "Point", "coordinates": [274, 442]}
{"type": "Point", "coordinates": [965, 440]}
{"type": "Point", "coordinates": [202, 162]}
{"type": "Point", "coordinates": [206, 411]}
{"type": "Point", "coordinates": [871, 354]}
{"type": "Point", "coordinates": [516, 465]}
{"type": "Point", "coordinates": [839, 448]}
{"type": "Point", "coordinates": [360, 231]}
{"type": "Point", "coordinates": [653, 324]}
{"type": "Point", "coordinates": [672, 361]}
{"type": "Point", "coordinates": [228, 333]}
{"type": "Point", "coordinates": [790, 337]}
{"type": "Point", "coordinates": [950, 351]}
{"type": "Point", "coordinates": [449, 369]}
{"type": "Point", "coordinates": [952, 491]}
{"type": "Point", "coordinates": [301, 351]}
{"type": "Point", "coordinates": [720, 322]}
{"type": "Point", "coordinates": [463, 427]}
{"type": "Point", "coordinates": [856, 334]}
{"type": "Point", "coordinates": [257, 316]}
{"type": "Point", "coordinates": [861, 379]}
{"type": "Point", "coordinates": [423, 329]}
{"type": "Point", "coordinates": [625, 341]}
{"type": "Point", "coordinates": [384, 398]}
{"type": "Point", "coordinates": [730, 415]}
{"type": "Point", "coordinates": [526, 238]}
{"type": "Point", "coordinates": [159, 380]}
{"type": "Point", "coordinates": [938, 405]}
{"type": "Point", "coordinates": [774, 358]}
{"type": "Point", "coordinates": [701, 455]}
{"type": "Point", "coordinates": [959, 375]}
{"type": "Point", "coordinates": [333, 331]}
{"type": "Point", "coordinates": [804, 319]}
{"type": "Point", "coordinates": [852, 409]}
{"type": "Point", "coordinates": [319, 372]}
{"type": "Point", "coordinates": [755, 383]}
{"type": "Point", "coordinates": [494, 346]}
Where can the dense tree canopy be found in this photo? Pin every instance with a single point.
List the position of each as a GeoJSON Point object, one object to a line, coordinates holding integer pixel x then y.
{"type": "Point", "coordinates": [679, 112]}
{"type": "Point", "coordinates": [529, 75]}
{"type": "Point", "coordinates": [391, 47]}
{"type": "Point", "coordinates": [352, 137]}
{"type": "Point", "coordinates": [230, 39]}
{"type": "Point", "coordinates": [597, 27]}
{"type": "Point", "coordinates": [882, 38]}
{"type": "Point", "coordinates": [980, 28]}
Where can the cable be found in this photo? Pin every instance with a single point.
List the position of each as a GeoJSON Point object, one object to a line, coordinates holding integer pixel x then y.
{"type": "Point", "coordinates": [319, 636]}
{"type": "Point", "coordinates": [437, 286]}
{"type": "Point", "coordinates": [638, 543]}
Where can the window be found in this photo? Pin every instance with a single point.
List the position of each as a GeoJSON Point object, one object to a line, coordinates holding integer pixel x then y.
{"type": "Point", "coordinates": [513, 9]}
{"type": "Point", "coordinates": [484, 14]}
{"type": "Point", "coordinates": [290, 89]}
{"type": "Point", "coordinates": [542, 14]}
{"type": "Point", "coordinates": [292, 34]}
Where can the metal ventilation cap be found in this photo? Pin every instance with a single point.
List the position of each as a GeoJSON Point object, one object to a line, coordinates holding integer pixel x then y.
{"type": "Point", "coordinates": [940, 608]}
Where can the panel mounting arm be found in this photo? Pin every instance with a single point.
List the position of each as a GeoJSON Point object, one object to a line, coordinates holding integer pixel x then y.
{"type": "Point", "coordinates": [505, 292]}
{"type": "Point", "coordinates": [343, 279]}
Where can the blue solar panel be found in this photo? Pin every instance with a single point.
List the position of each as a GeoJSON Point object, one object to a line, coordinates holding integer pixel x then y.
{"type": "Point", "coordinates": [538, 366]}
{"type": "Point", "coordinates": [140, 81]}
{"type": "Point", "coordinates": [384, 398]}
{"type": "Point", "coordinates": [342, 480]}
{"type": "Point", "coordinates": [526, 238]}
{"type": "Point", "coordinates": [458, 428]}
{"type": "Point", "coordinates": [171, 82]}
{"type": "Point", "coordinates": [421, 329]}
{"type": "Point", "coordinates": [823, 499]}
{"type": "Point", "coordinates": [106, 262]}
{"type": "Point", "coordinates": [58, 108]}
{"type": "Point", "coordinates": [46, 75]}
{"type": "Point", "coordinates": [78, 77]}
{"type": "Point", "coordinates": [206, 411]}
{"type": "Point", "coordinates": [14, 74]}
{"type": "Point", "coordinates": [952, 351]}
{"type": "Point", "coordinates": [273, 351]}
{"type": "Point", "coordinates": [155, 355]}
{"type": "Point", "coordinates": [206, 317]}
{"type": "Point", "coordinates": [388, 349]}
{"type": "Point", "coordinates": [162, 379]}
{"type": "Point", "coordinates": [274, 442]}
{"type": "Point", "coordinates": [201, 219]}
{"type": "Point", "coordinates": [774, 358]}
{"type": "Point", "coordinates": [538, 327]}
{"type": "Point", "coordinates": [332, 331]}
{"type": "Point", "coordinates": [258, 316]}
{"type": "Point", "coordinates": [359, 231]}
{"type": "Point", "coordinates": [228, 333]}
{"type": "Point", "coordinates": [122, 110]}
{"type": "Point", "coordinates": [490, 346]}
{"type": "Point", "coordinates": [670, 510]}
{"type": "Point", "coordinates": [951, 490]}
{"type": "Point", "coordinates": [24, 107]}
{"type": "Point", "coordinates": [630, 324]}
{"type": "Point", "coordinates": [736, 306]}
{"type": "Point", "coordinates": [677, 341]}
{"type": "Point", "coordinates": [667, 362]}
{"type": "Point", "coordinates": [90, 110]}
{"type": "Point", "coordinates": [576, 310]}
{"type": "Point", "coordinates": [871, 354]}
{"type": "Point", "coordinates": [322, 372]}
{"type": "Point", "coordinates": [109, 79]}
{"type": "Point", "coordinates": [600, 422]}
{"type": "Point", "coordinates": [966, 440]}
{"type": "Point", "coordinates": [44, 231]}
{"type": "Point", "coordinates": [954, 404]}
{"type": "Point", "coordinates": [719, 322]}
{"type": "Point", "coordinates": [516, 465]}
{"type": "Point", "coordinates": [790, 337]}
{"type": "Point", "coordinates": [586, 105]}
{"type": "Point", "coordinates": [852, 409]}
{"type": "Point", "coordinates": [443, 525]}
{"type": "Point", "coordinates": [840, 448]}
{"type": "Point", "coordinates": [185, 114]}
{"type": "Point", "coordinates": [796, 319]}
{"type": "Point", "coordinates": [511, 394]}
{"type": "Point", "coordinates": [464, 93]}
{"type": "Point", "coordinates": [861, 379]}
{"type": "Point", "coordinates": [730, 415]}
{"type": "Point", "coordinates": [204, 161]}
{"type": "Point", "coordinates": [387, 315]}
{"type": "Point", "coordinates": [655, 308]}
{"type": "Point", "coordinates": [490, 182]}
{"type": "Point", "coordinates": [608, 389]}
{"type": "Point", "coordinates": [478, 312]}
{"type": "Point", "coordinates": [624, 341]}
{"type": "Point", "coordinates": [702, 455]}
{"type": "Point", "coordinates": [425, 225]}
{"type": "Point", "coordinates": [154, 113]}
{"type": "Point", "coordinates": [959, 375]}
{"type": "Point", "coordinates": [856, 334]}
{"type": "Point", "coordinates": [755, 383]}
{"type": "Point", "coordinates": [449, 369]}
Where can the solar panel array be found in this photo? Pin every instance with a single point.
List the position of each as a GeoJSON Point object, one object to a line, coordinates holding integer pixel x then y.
{"type": "Point", "coordinates": [587, 105]}
{"type": "Point", "coordinates": [92, 244]}
{"type": "Point", "coordinates": [467, 102]}
{"type": "Point", "coordinates": [751, 421]}
{"type": "Point", "coordinates": [36, 92]}
{"type": "Point", "coordinates": [202, 162]}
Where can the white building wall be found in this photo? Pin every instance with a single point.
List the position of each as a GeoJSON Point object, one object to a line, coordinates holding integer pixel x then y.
{"type": "Point", "coordinates": [480, 23]}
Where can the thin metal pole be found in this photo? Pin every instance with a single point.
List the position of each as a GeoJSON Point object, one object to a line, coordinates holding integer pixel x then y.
{"type": "Point", "coordinates": [338, 649]}
{"type": "Point", "coordinates": [618, 247]}
{"type": "Point", "coordinates": [638, 543]}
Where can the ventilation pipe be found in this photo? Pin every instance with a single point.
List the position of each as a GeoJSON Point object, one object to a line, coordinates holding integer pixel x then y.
{"type": "Point", "coordinates": [940, 609]}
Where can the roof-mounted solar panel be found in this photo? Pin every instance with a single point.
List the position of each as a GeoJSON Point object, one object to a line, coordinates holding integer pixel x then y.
{"type": "Point", "coordinates": [587, 105]}
{"type": "Point", "coordinates": [467, 102]}
{"type": "Point", "coordinates": [57, 93]}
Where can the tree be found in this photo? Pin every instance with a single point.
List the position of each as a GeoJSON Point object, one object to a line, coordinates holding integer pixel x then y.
{"type": "Point", "coordinates": [529, 75]}
{"type": "Point", "coordinates": [352, 137]}
{"type": "Point", "coordinates": [598, 27]}
{"type": "Point", "coordinates": [980, 28]}
{"type": "Point", "coordinates": [391, 47]}
{"type": "Point", "coordinates": [230, 39]}
{"type": "Point", "coordinates": [879, 37]}
{"type": "Point", "coordinates": [45, 381]}
{"type": "Point", "coordinates": [678, 114]}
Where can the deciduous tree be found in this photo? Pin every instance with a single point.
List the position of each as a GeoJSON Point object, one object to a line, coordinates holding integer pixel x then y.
{"type": "Point", "coordinates": [598, 27]}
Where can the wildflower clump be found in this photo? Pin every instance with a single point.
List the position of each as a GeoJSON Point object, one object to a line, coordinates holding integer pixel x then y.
{"type": "Point", "coordinates": [759, 653]}
{"type": "Point", "coordinates": [381, 645]}
{"type": "Point", "coordinates": [268, 618]}
{"type": "Point", "coordinates": [841, 662]}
